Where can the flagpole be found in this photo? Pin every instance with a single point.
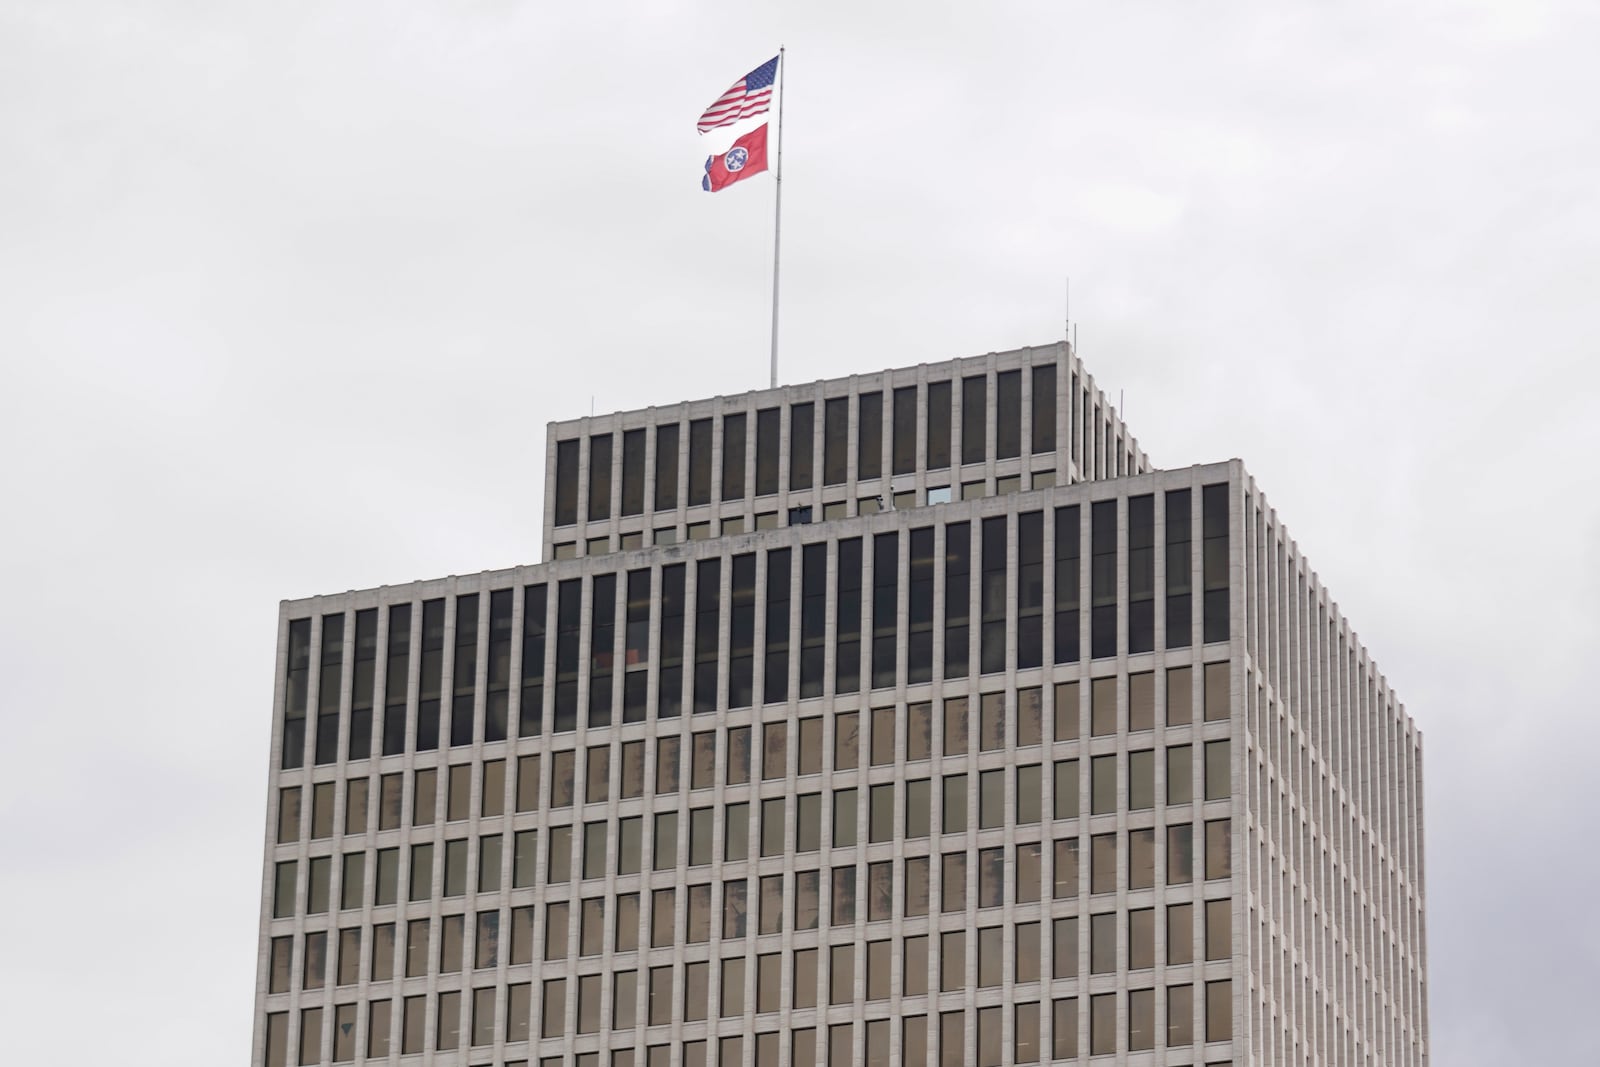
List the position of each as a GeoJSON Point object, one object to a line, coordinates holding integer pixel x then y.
{"type": "Point", "coordinates": [777, 217]}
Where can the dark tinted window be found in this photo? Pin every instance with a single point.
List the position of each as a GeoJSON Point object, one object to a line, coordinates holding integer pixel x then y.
{"type": "Point", "coordinates": [813, 617]}
{"type": "Point", "coordinates": [869, 436]}
{"type": "Point", "coordinates": [666, 468]}
{"type": "Point", "coordinates": [599, 477]}
{"type": "Point", "coordinates": [396, 672]}
{"type": "Point", "coordinates": [566, 482]}
{"type": "Point", "coordinates": [1103, 579]}
{"type": "Point", "coordinates": [1044, 409]}
{"type": "Point", "coordinates": [938, 425]}
{"type": "Point", "coordinates": [905, 430]}
{"type": "Point", "coordinates": [847, 648]}
{"type": "Point", "coordinates": [733, 447]}
{"type": "Point", "coordinates": [1180, 579]}
{"type": "Point", "coordinates": [1030, 589]}
{"type": "Point", "coordinates": [957, 597]}
{"type": "Point", "coordinates": [530, 711]}
{"type": "Point", "coordinates": [775, 673]}
{"type": "Point", "coordinates": [974, 415]}
{"type": "Point", "coordinates": [1008, 415]}
{"type": "Point", "coordinates": [1214, 561]}
{"type": "Point", "coordinates": [569, 627]}
{"type": "Point", "coordinates": [767, 427]}
{"type": "Point", "coordinates": [885, 601]}
{"type": "Point", "coordinates": [463, 678]}
{"type": "Point", "coordinates": [633, 472]}
{"type": "Point", "coordinates": [699, 462]}
{"type": "Point", "coordinates": [919, 641]}
{"type": "Point", "coordinates": [992, 642]}
{"type": "Point", "coordinates": [669, 701]}
{"type": "Point", "coordinates": [836, 441]}
{"type": "Point", "coordinates": [742, 633]}
{"type": "Point", "coordinates": [602, 647]}
{"type": "Point", "coordinates": [707, 625]}
{"type": "Point", "coordinates": [800, 418]}
{"type": "Point", "coordinates": [1067, 555]}
{"type": "Point", "coordinates": [1141, 573]}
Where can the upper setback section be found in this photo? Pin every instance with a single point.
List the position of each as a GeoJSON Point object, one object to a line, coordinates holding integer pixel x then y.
{"type": "Point", "coordinates": [959, 430]}
{"type": "Point", "coordinates": [1167, 559]}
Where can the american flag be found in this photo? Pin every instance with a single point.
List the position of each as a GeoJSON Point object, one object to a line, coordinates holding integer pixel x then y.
{"type": "Point", "coordinates": [750, 95]}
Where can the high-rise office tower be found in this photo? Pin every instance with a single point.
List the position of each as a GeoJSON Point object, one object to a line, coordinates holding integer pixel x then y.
{"type": "Point", "coordinates": [913, 717]}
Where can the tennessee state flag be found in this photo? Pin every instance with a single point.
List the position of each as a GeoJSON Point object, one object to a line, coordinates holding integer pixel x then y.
{"type": "Point", "coordinates": [747, 156]}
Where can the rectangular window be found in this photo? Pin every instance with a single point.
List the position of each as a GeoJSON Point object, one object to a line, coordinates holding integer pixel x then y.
{"type": "Point", "coordinates": [957, 598]}
{"type": "Point", "coordinates": [974, 419]}
{"type": "Point", "coordinates": [1219, 844]}
{"type": "Point", "coordinates": [396, 671]}
{"type": "Point", "coordinates": [1180, 581]}
{"type": "Point", "coordinates": [917, 808]}
{"type": "Point", "coordinates": [1068, 535]}
{"type": "Point", "coordinates": [992, 650]}
{"type": "Point", "coordinates": [836, 440]}
{"type": "Point", "coordinates": [813, 616]}
{"type": "Point", "coordinates": [919, 645]}
{"type": "Point", "coordinates": [905, 430]}
{"type": "Point", "coordinates": [669, 700]}
{"type": "Point", "coordinates": [742, 634]}
{"type": "Point", "coordinates": [1065, 868]}
{"type": "Point", "coordinates": [1044, 410]}
{"type": "Point", "coordinates": [666, 467]}
{"type": "Point", "coordinates": [1180, 933]}
{"type": "Point", "coordinates": [1219, 771]}
{"type": "Point", "coordinates": [938, 451]}
{"type": "Point", "coordinates": [842, 899]}
{"type": "Point", "coordinates": [1219, 1010]}
{"type": "Point", "coordinates": [602, 648]}
{"type": "Point", "coordinates": [1064, 1029]}
{"type": "Point", "coordinates": [569, 628]}
{"type": "Point", "coordinates": [633, 472]}
{"type": "Point", "coordinates": [800, 420]}
{"type": "Point", "coordinates": [767, 434]}
{"type": "Point", "coordinates": [917, 881]}
{"type": "Point", "coordinates": [847, 613]}
{"type": "Point", "coordinates": [1180, 853]}
{"type": "Point", "coordinates": [329, 686]}
{"type": "Point", "coordinates": [1180, 1016]}
{"type": "Point", "coordinates": [775, 671]}
{"type": "Point", "coordinates": [1217, 692]}
{"type": "Point", "coordinates": [599, 477]}
{"type": "Point", "coordinates": [707, 628]}
{"type": "Point", "coordinates": [1141, 574]}
{"type": "Point", "coordinates": [1214, 562]}
{"type": "Point", "coordinates": [869, 437]}
{"type": "Point", "coordinates": [361, 686]}
{"type": "Point", "coordinates": [699, 462]}
{"type": "Point", "coordinates": [530, 713]}
{"type": "Point", "coordinates": [953, 882]}
{"type": "Point", "coordinates": [1103, 579]}
{"type": "Point", "coordinates": [885, 601]}
{"type": "Point", "coordinates": [734, 436]}
{"type": "Point", "coordinates": [566, 482]}
{"type": "Point", "coordinates": [636, 646]}
{"type": "Point", "coordinates": [1008, 414]}
{"type": "Point", "coordinates": [1103, 863]}
{"type": "Point", "coordinates": [1030, 589]}
{"type": "Point", "coordinates": [464, 676]}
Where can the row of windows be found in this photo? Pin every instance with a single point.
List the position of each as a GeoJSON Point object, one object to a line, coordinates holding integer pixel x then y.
{"type": "Point", "coordinates": [997, 726]}
{"type": "Point", "coordinates": [943, 1036]}
{"type": "Point", "coordinates": [729, 465]}
{"type": "Point", "coordinates": [1136, 855]}
{"type": "Point", "coordinates": [1114, 785]}
{"type": "Point", "coordinates": [655, 641]}
{"type": "Point", "coordinates": [456, 943]}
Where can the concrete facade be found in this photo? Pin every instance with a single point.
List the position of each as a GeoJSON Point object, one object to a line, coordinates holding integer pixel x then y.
{"type": "Point", "coordinates": [1113, 782]}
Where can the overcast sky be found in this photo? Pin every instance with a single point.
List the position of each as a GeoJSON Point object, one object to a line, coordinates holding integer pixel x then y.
{"type": "Point", "coordinates": [289, 290]}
